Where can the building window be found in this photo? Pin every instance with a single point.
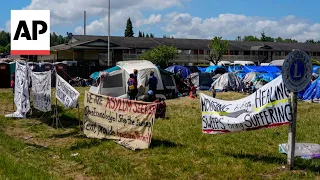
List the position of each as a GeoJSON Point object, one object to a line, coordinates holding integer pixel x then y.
{"type": "Point", "coordinates": [126, 51]}
{"type": "Point", "coordinates": [286, 53]}
{"type": "Point", "coordinates": [318, 53]}
{"type": "Point", "coordinates": [201, 52]}
{"type": "Point", "coordinates": [195, 51]}
{"type": "Point", "coordinates": [246, 53]}
{"type": "Point", "coordinates": [265, 53]}
{"type": "Point", "coordinates": [236, 52]}
{"type": "Point", "coordinates": [231, 52]}
{"type": "Point", "coordinates": [253, 53]}
{"type": "Point", "coordinates": [314, 54]}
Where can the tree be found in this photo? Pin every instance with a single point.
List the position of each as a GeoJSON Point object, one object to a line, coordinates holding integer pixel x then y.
{"type": "Point", "coordinates": [279, 39]}
{"type": "Point", "coordinates": [290, 41]}
{"type": "Point", "coordinates": [250, 38]}
{"type": "Point", "coordinates": [310, 41]}
{"type": "Point", "coordinates": [129, 29]}
{"type": "Point", "coordinates": [147, 35]}
{"type": "Point", "coordinates": [315, 62]}
{"type": "Point", "coordinates": [140, 34]}
{"type": "Point", "coordinates": [56, 40]}
{"type": "Point", "coordinates": [143, 35]}
{"type": "Point", "coordinates": [218, 48]}
{"type": "Point", "coordinates": [151, 35]}
{"type": "Point", "coordinates": [266, 38]}
{"type": "Point", "coordinates": [160, 55]}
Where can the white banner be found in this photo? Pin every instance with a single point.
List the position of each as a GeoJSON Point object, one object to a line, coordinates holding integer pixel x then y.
{"type": "Point", "coordinates": [65, 93]}
{"type": "Point", "coordinates": [41, 90]}
{"type": "Point", "coordinates": [269, 106]}
{"type": "Point", "coordinates": [21, 92]}
{"type": "Point", "coordinates": [128, 122]}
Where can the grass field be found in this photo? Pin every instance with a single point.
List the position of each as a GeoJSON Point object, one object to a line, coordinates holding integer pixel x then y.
{"type": "Point", "coordinates": [32, 149]}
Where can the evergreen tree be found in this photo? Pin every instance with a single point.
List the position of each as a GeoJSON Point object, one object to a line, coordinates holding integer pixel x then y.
{"type": "Point", "coordinates": [147, 35]}
{"type": "Point", "coordinates": [143, 35]}
{"type": "Point", "coordinates": [151, 35]}
{"type": "Point", "coordinates": [140, 34]}
{"type": "Point", "coordinates": [129, 29]}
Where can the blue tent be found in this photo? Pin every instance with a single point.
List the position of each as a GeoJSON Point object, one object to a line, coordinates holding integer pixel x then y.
{"type": "Point", "coordinates": [313, 92]}
{"type": "Point", "coordinates": [174, 69]}
{"type": "Point", "coordinates": [216, 68]}
{"type": "Point", "coordinates": [268, 77]}
{"type": "Point", "coordinates": [301, 93]}
{"type": "Point", "coordinates": [234, 68]}
{"type": "Point", "coordinates": [270, 69]}
{"type": "Point", "coordinates": [316, 69]}
{"type": "Point", "coordinates": [202, 69]}
{"type": "Point", "coordinates": [95, 75]}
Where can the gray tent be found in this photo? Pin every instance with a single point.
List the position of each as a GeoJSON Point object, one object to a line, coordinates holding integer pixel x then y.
{"type": "Point", "coordinates": [228, 82]}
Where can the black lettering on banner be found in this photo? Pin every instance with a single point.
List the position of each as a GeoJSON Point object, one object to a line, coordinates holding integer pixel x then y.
{"type": "Point", "coordinates": [207, 105]}
{"type": "Point", "coordinates": [213, 123]}
{"type": "Point", "coordinates": [248, 122]}
{"type": "Point", "coordinates": [244, 106]}
{"type": "Point", "coordinates": [288, 112]}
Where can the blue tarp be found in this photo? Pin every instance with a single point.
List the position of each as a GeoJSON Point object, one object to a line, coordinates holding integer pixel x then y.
{"type": "Point", "coordinates": [270, 69]}
{"type": "Point", "coordinates": [234, 68]}
{"type": "Point", "coordinates": [202, 69]}
{"type": "Point", "coordinates": [241, 74]}
{"type": "Point", "coordinates": [313, 92]}
{"type": "Point", "coordinates": [268, 76]}
{"type": "Point", "coordinates": [316, 69]}
{"type": "Point", "coordinates": [95, 75]}
{"type": "Point", "coordinates": [214, 68]}
{"type": "Point", "coordinates": [174, 69]}
{"type": "Point", "coordinates": [301, 93]}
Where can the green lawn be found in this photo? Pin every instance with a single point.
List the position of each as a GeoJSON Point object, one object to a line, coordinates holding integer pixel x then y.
{"type": "Point", "coordinates": [32, 149]}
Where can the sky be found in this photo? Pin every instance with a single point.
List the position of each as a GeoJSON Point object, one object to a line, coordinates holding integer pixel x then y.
{"type": "Point", "coordinates": [203, 19]}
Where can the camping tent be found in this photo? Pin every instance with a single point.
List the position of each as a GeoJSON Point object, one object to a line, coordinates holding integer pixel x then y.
{"type": "Point", "coordinates": [312, 94]}
{"type": "Point", "coordinates": [115, 84]}
{"type": "Point", "coordinates": [216, 69]}
{"type": "Point", "coordinates": [265, 69]}
{"type": "Point", "coordinates": [228, 81]}
{"type": "Point", "coordinates": [168, 80]}
{"type": "Point", "coordinates": [175, 68]}
{"type": "Point", "coordinates": [316, 69]}
{"type": "Point", "coordinates": [202, 80]}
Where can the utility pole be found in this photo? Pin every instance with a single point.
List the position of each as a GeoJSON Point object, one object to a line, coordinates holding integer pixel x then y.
{"type": "Point", "coordinates": [109, 35]}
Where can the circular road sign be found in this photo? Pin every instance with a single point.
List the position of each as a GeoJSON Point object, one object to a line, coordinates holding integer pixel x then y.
{"type": "Point", "coordinates": [297, 71]}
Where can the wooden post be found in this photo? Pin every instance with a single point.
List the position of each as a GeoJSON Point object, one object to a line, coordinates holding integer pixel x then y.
{"type": "Point", "coordinates": [292, 131]}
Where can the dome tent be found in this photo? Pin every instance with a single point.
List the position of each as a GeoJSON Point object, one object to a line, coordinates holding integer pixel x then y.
{"type": "Point", "coordinates": [115, 84]}
{"type": "Point", "coordinates": [312, 94]}
{"type": "Point", "coordinates": [229, 82]}
{"type": "Point", "coordinates": [175, 68]}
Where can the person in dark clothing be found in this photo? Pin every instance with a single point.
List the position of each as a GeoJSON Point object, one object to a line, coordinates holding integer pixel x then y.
{"type": "Point", "coordinates": [179, 75]}
{"type": "Point", "coordinates": [135, 73]}
{"type": "Point", "coordinates": [152, 82]}
{"type": "Point", "coordinates": [150, 97]}
{"type": "Point", "coordinates": [132, 87]}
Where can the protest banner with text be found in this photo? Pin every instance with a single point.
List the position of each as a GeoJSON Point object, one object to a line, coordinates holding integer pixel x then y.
{"type": "Point", "coordinates": [65, 93]}
{"type": "Point", "coordinates": [21, 92]}
{"type": "Point", "coordinates": [41, 90]}
{"type": "Point", "coordinates": [269, 106]}
{"type": "Point", "coordinates": [128, 122]}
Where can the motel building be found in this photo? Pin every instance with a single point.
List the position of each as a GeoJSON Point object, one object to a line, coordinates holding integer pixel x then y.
{"type": "Point", "coordinates": [93, 50]}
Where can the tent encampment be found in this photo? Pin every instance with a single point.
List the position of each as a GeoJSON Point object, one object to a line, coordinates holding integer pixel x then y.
{"type": "Point", "coordinates": [175, 68]}
{"type": "Point", "coordinates": [168, 80]}
{"type": "Point", "coordinates": [228, 82]}
{"type": "Point", "coordinates": [202, 80]}
{"type": "Point", "coordinates": [115, 84]}
{"type": "Point", "coordinates": [316, 69]}
{"type": "Point", "coordinates": [216, 69]}
{"type": "Point", "coordinates": [265, 69]}
{"type": "Point", "coordinates": [312, 94]}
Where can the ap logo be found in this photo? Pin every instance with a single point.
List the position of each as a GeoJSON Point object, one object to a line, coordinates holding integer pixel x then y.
{"type": "Point", "coordinates": [30, 32]}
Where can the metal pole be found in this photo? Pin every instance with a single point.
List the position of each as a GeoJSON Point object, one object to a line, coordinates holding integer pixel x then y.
{"type": "Point", "coordinates": [84, 23]}
{"type": "Point", "coordinates": [292, 131]}
{"type": "Point", "coordinates": [109, 35]}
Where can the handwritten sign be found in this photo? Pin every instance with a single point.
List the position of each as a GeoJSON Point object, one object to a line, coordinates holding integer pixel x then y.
{"type": "Point", "coordinates": [269, 106]}
{"type": "Point", "coordinates": [41, 90]}
{"type": "Point", "coordinates": [21, 92]}
{"type": "Point", "coordinates": [65, 93]}
{"type": "Point", "coordinates": [128, 122]}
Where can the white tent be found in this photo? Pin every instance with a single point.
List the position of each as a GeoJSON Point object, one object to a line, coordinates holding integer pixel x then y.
{"type": "Point", "coordinates": [115, 84]}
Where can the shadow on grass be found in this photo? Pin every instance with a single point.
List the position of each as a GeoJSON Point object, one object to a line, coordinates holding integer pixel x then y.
{"type": "Point", "coordinates": [66, 120]}
{"type": "Point", "coordinates": [37, 146]}
{"type": "Point", "coordinates": [163, 143]}
{"type": "Point", "coordinates": [300, 164]}
{"type": "Point", "coordinates": [72, 133]}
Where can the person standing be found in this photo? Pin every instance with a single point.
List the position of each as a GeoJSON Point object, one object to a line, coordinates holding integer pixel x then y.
{"type": "Point", "coordinates": [179, 75]}
{"type": "Point", "coordinates": [135, 73]}
{"type": "Point", "coordinates": [132, 87]}
{"type": "Point", "coordinates": [152, 82]}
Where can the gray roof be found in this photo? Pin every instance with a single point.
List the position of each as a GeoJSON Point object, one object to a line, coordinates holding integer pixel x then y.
{"type": "Point", "coordinates": [193, 44]}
